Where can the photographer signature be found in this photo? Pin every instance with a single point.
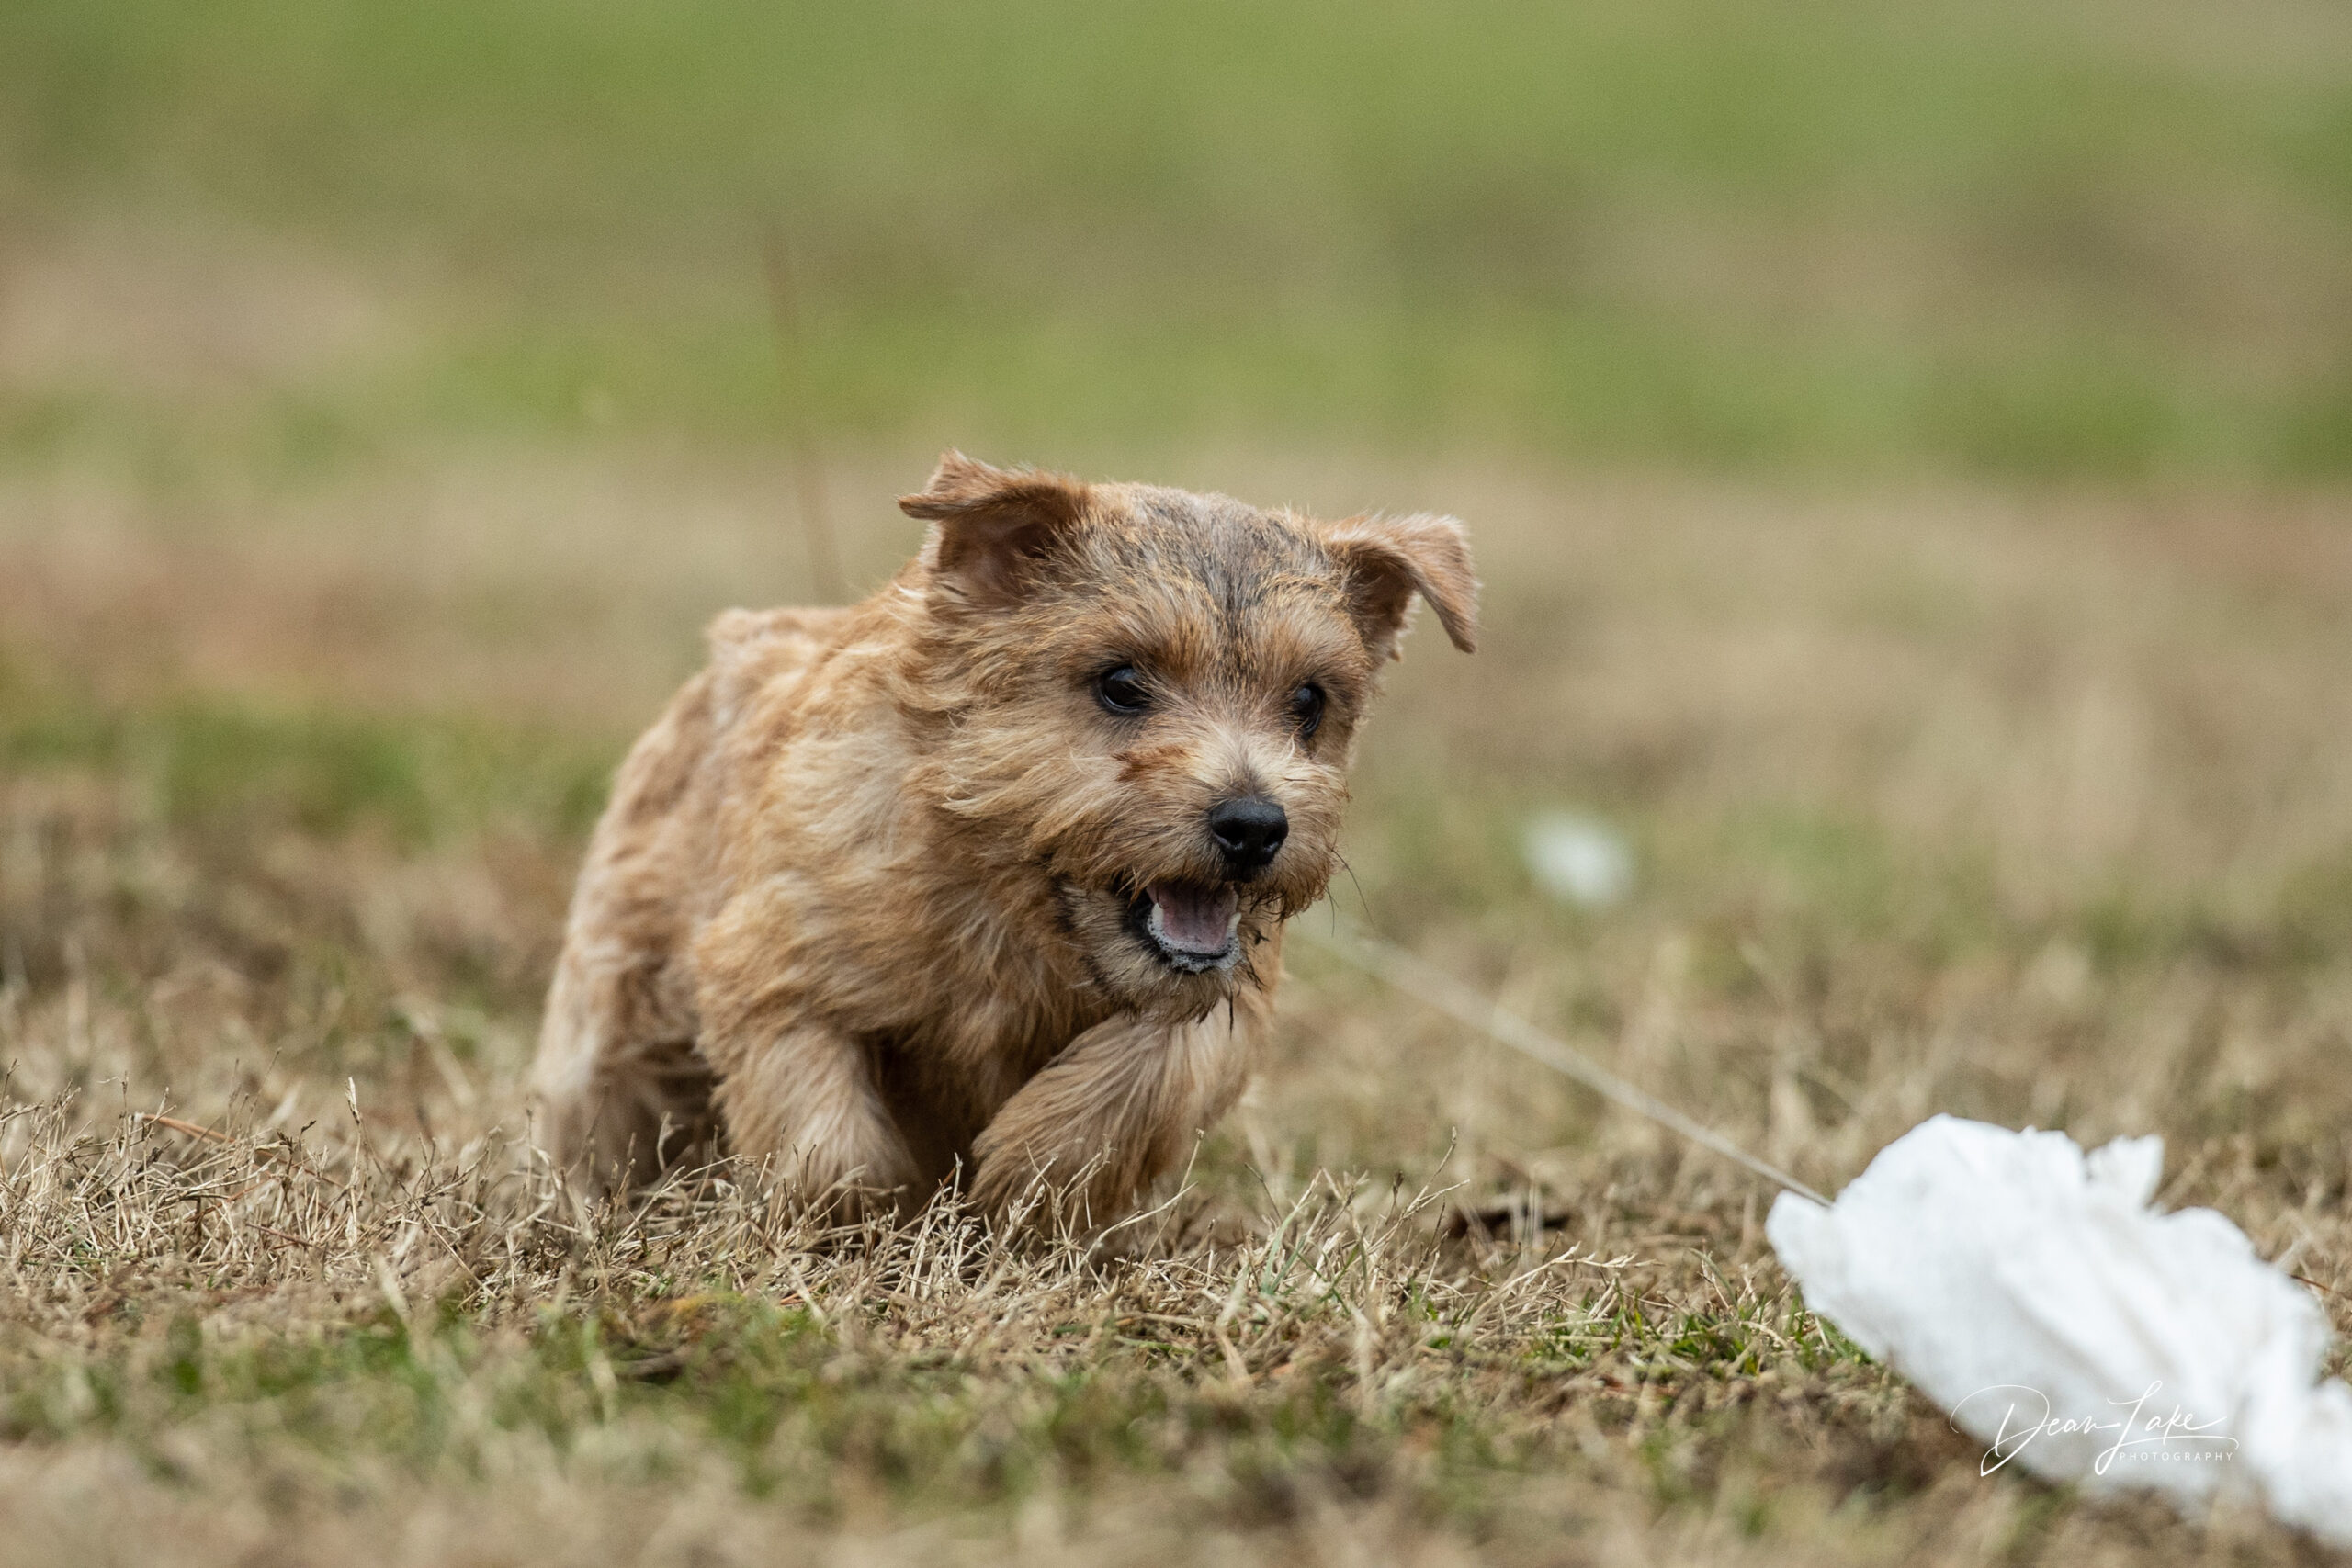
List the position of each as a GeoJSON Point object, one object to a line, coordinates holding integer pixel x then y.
{"type": "Point", "coordinates": [2138, 1434]}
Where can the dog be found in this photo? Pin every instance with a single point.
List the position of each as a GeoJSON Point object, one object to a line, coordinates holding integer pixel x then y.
{"type": "Point", "coordinates": [983, 879]}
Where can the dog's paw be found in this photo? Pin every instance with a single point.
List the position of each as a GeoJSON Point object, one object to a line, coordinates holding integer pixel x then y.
{"type": "Point", "coordinates": [1064, 1192]}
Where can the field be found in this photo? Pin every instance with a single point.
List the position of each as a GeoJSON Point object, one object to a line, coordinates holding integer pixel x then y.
{"type": "Point", "coordinates": [1906, 449]}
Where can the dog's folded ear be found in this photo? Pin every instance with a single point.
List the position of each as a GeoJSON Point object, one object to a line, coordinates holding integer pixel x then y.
{"type": "Point", "coordinates": [1387, 560]}
{"type": "Point", "coordinates": [993, 524]}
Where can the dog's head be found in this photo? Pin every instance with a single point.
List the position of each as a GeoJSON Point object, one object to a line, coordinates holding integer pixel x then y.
{"type": "Point", "coordinates": [1149, 699]}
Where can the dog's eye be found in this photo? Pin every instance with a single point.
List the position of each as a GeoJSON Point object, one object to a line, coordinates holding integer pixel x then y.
{"type": "Point", "coordinates": [1122, 690]}
{"type": "Point", "coordinates": [1306, 708]}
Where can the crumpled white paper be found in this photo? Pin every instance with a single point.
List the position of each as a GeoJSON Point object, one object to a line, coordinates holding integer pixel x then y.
{"type": "Point", "coordinates": [2028, 1289]}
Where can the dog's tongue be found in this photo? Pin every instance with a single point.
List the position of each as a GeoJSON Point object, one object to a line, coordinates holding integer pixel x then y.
{"type": "Point", "coordinates": [1193, 919]}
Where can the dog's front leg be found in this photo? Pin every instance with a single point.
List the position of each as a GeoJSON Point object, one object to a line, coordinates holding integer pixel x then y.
{"type": "Point", "coordinates": [802, 1108]}
{"type": "Point", "coordinates": [1113, 1112]}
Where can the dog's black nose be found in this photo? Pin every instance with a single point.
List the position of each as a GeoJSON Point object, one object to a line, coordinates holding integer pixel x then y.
{"type": "Point", "coordinates": [1248, 830]}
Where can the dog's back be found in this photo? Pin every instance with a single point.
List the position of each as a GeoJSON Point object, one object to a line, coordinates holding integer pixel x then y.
{"type": "Point", "coordinates": [616, 1049]}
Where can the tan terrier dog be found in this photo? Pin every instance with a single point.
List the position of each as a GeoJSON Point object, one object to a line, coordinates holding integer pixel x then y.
{"type": "Point", "coordinates": [987, 874]}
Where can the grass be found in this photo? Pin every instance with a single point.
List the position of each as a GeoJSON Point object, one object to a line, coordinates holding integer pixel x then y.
{"type": "Point", "coordinates": [291, 874]}
{"type": "Point", "coordinates": [196, 762]}
{"type": "Point", "coordinates": [2072, 240]}
{"type": "Point", "coordinates": [1906, 447]}
{"type": "Point", "coordinates": [493, 1336]}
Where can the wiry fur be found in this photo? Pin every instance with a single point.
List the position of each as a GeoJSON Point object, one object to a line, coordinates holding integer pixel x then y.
{"type": "Point", "coordinates": [860, 907]}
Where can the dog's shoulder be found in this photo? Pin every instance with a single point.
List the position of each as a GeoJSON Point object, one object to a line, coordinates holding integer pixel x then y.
{"type": "Point", "coordinates": [752, 650]}
{"type": "Point", "coordinates": [767, 642]}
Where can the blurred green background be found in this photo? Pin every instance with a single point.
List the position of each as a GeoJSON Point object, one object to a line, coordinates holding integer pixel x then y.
{"type": "Point", "coordinates": [2106, 238]}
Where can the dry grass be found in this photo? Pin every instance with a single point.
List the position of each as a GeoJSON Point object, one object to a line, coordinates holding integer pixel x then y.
{"type": "Point", "coordinates": [2029, 806]}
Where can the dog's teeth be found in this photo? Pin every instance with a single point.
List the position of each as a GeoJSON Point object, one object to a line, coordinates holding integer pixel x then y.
{"type": "Point", "coordinates": [1194, 927]}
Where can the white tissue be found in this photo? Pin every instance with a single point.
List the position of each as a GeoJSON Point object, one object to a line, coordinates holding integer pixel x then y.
{"type": "Point", "coordinates": [2029, 1290]}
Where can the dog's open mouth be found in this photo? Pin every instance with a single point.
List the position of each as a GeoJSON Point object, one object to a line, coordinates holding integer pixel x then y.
{"type": "Point", "coordinates": [1191, 926]}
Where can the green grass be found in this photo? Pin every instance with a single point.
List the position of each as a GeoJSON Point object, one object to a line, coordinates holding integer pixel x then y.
{"type": "Point", "coordinates": [1989, 238]}
{"type": "Point", "coordinates": [212, 764]}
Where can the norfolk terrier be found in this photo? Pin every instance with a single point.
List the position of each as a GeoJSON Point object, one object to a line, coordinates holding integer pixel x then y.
{"type": "Point", "coordinates": [983, 878]}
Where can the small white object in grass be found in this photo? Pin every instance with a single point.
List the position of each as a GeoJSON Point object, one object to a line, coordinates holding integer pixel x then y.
{"type": "Point", "coordinates": [2028, 1289]}
{"type": "Point", "coordinates": [1579, 859]}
